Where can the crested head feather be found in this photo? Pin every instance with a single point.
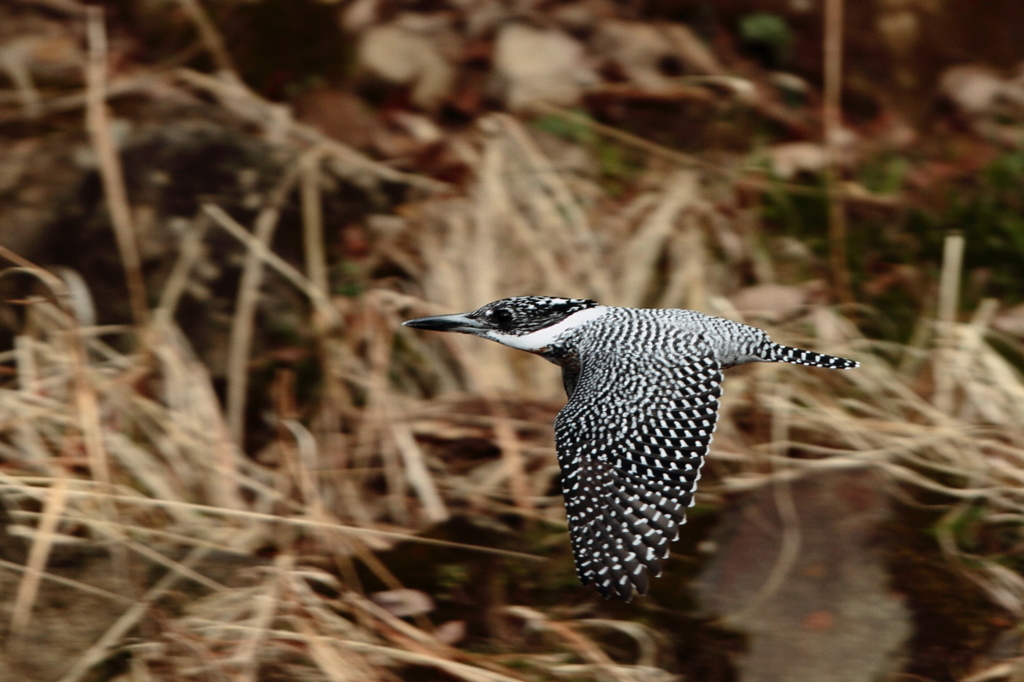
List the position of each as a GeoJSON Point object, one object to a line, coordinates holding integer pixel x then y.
{"type": "Point", "coordinates": [522, 315]}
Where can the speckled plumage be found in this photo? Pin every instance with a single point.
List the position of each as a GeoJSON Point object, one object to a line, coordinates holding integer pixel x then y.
{"type": "Point", "coordinates": [643, 390]}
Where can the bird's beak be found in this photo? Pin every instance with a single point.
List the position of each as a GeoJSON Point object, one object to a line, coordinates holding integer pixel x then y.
{"type": "Point", "coordinates": [459, 322]}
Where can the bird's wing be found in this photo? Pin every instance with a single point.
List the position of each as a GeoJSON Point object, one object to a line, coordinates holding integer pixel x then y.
{"type": "Point", "coordinates": [631, 441]}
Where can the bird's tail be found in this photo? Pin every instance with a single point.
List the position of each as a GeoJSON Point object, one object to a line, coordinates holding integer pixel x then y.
{"type": "Point", "coordinates": [798, 356]}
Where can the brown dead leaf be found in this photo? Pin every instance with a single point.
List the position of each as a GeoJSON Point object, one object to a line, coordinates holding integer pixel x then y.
{"type": "Point", "coordinates": [337, 114]}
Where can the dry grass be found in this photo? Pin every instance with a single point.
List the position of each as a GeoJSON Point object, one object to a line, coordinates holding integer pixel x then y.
{"type": "Point", "coordinates": [132, 450]}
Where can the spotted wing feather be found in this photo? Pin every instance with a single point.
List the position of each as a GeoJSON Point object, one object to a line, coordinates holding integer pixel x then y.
{"type": "Point", "coordinates": [631, 442]}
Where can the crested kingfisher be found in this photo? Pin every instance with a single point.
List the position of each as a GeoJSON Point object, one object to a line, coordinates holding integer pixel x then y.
{"type": "Point", "coordinates": [643, 387]}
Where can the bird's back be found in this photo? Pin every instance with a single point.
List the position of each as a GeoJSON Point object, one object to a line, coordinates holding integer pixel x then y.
{"type": "Point", "coordinates": [647, 331]}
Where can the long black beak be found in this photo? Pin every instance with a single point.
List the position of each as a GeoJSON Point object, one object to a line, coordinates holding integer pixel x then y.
{"type": "Point", "coordinates": [459, 322]}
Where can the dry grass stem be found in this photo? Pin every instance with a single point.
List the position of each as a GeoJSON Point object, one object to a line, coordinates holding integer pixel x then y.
{"type": "Point", "coordinates": [648, 242]}
{"type": "Point", "coordinates": [313, 221]}
{"type": "Point", "coordinates": [243, 323]}
{"type": "Point", "coordinates": [832, 115]}
{"type": "Point", "coordinates": [512, 456]}
{"type": "Point", "coordinates": [949, 296]}
{"type": "Point", "coordinates": [949, 283]}
{"type": "Point", "coordinates": [258, 516]}
{"type": "Point", "coordinates": [35, 567]}
{"type": "Point", "coordinates": [177, 281]}
{"type": "Point", "coordinates": [419, 475]}
{"type": "Point", "coordinates": [302, 283]}
{"type": "Point", "coordinates": [211, 37]}
{"type": "Point", "coordinates": [247, 656]}
{"type": "Point", "coordinates": [747, 178]}
{"type": "Point", "coordinates": [68, 582]}
{"type": "Point", "coordinates": [111, 172]}
{"type": "Point", "coordinates": [113, 636]}
{"type": "Point", "coordinates": [69, 7]}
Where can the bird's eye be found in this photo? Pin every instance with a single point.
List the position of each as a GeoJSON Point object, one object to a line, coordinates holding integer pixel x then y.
{"type": "Point", "coordinates": [501, 316]}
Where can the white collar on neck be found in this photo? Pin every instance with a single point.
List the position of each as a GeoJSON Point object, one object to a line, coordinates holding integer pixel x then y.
{"type": "Point", "coordinates": [543, 338]}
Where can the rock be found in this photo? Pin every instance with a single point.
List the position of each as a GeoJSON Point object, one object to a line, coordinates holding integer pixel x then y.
{"type": "Point", "coordinates": [533, 64]}
{"type": "Point", "coordinates": [405, 56]}
{"type": "Point", "coordinates": [832, 617]}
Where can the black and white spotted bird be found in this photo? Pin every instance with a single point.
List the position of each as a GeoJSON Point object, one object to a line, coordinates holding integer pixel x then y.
{"type": "Point", "coordinates": [643, 389]}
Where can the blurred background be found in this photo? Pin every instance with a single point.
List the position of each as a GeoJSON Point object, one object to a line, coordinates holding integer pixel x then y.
{"type": "Point", "coordinates": [222, 457]}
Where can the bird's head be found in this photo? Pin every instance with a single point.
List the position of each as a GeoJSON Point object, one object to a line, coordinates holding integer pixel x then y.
{"type": "Point", "coordinates": [530, 323]}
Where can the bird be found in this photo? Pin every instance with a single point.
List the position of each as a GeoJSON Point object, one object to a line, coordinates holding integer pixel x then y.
{"type": "Point", "coordinates": [643, 389]}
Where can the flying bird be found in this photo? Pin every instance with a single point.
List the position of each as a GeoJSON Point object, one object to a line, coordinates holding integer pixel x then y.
{"type": "Point", "coordinates": [643, 387]}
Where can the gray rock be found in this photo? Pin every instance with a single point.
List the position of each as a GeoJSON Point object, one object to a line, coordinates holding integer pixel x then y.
{"type": "Point", "coordinates": [825, 611]}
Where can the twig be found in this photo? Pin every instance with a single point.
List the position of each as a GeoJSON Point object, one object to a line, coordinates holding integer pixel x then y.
{"type": "Point", "coordinates": [653, 148]}
{"type": "Point", "coordinates": [335, 663]}
{"type": "Point", "coordinates": [98, 123]}
{"type": "Point", "coordinates": [177, 281]}
{"type": "Point", "coordinates": [454, 668]}
{"type": "Point", "coordinates": [325, 310]}
{"type": "Point", "coordinates": [35, 567]}
{"type": "Point", "coordinates": [751, 181]}
{"type": "Point", "coordinates": [832, 119]}
{"type": "Point", "coordinates": [240, 343]}
{"type": "Point", "coordinates": [265, 607]}
{"type": "Point", "coordinates": [210, 35]}
{"type": "Point", "coordinates": [643, 249]}
{"type": "Point", "coordinates": [172, 565]}
{"type": "Point", "coordinates": [87, 411]}
{"type": "Point", "coordinates": [406, 630]}
{"type": "Point", "coordinates": [110, 639]}
{"type": "Point", "coordinates": [71, 7]}
{"type": "Point", "coordinates": [372, 435]}
{"type": "Point", "coordinates": [582, 644]}
{"type": "Point", "coordinates": [195, 414]}
{"type": "Point", "coordinates": [68, 582]}
{"type": "Point", "coordinates": [54, 283]}
{"type": "Point", "coordinates": [565, 217]}
{"type": "Point", "coordinates": [271, 518]}
{"type": "Point", "coordinates": [418, 474]}
{"type": "Point", "coordinates": [949, 295]}
{"type": "Point", "coordinates": [231, 226]}
{"type": "Point", "coordinates": [254, 109]}
{"type": "Point", "coordinates": [313, 220]}
{"type": "Point", "coordinates": [511, 454]}
{"type": "Point", "coordinates": [949, 283]}
{"type": "Point", "coordinates": [20, 74]}
{"type": "Point", "coordinates": [242, 327]}
{"type": "Point", "coordinates": [115, 88]}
